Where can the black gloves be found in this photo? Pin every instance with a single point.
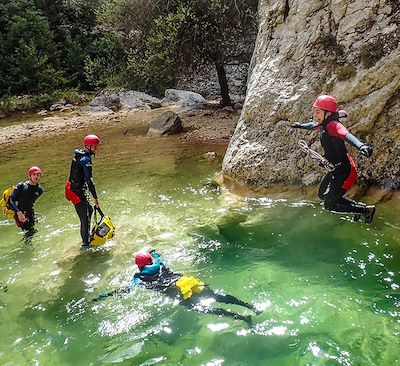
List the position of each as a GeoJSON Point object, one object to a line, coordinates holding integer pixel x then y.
{"type": "Point", "coordinates": [366, 150]}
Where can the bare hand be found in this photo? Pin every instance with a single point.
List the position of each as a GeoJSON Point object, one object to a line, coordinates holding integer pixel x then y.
{"type": "Point", "coordinates": [21, 216]}
{"type": "Point", "coordinates": [96, 202]}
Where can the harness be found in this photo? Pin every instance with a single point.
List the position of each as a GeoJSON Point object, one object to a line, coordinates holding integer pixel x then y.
{"type": "Point", "coordinates": [321, 161]}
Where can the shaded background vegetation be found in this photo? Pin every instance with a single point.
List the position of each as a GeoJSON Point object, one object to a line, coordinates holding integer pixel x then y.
{"type": "Point", "coordinates": [48, 45]}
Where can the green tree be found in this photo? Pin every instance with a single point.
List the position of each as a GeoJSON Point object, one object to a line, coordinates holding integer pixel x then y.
{"type": "Point", "coordinates": [215, 31]}
{"type": "Point", "coordinates": [73, 23]}
{"type": "Point", "coordinates": [30, 53]}
{"type": "Point", "coordinates": [172, 36]}
{"type": "Point", "coordinates": [35, 55]}
{"type": "Point", "coordinates": [133, 20]}
{"type": "Point", "coordinates": [105, 61]}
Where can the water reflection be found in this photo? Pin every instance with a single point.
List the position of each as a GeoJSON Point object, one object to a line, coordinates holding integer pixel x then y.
{"type": "Point", "coordinates": [328, 287]}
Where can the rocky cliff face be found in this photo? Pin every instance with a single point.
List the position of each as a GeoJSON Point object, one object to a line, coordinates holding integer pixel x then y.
{"type": "Point", "coordinates": [347, 48]}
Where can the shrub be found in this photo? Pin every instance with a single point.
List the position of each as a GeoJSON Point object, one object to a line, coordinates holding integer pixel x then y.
{"type": "Point", "coordinates": [105, 61]}
{"type": "Point", "coordinates": [71, 96]}
{"type": "Point", "coordinates": [371, 53]}
{"type": "Point", "coordinates": [330, 44]}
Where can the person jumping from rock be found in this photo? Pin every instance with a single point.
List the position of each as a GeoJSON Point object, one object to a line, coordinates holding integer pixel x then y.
{"type": "Point", "coordinates": [344, 174]}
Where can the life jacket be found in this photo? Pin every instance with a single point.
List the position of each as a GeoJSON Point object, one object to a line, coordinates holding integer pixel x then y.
{"type": "Point", "coordinates": [102, 230]}
{"type": "Point", "coordinates": [4, 202]}
{"type": "Point", "coordinates": [156, 276]}
{"type": "Point", "coordinates": [334, 147]}
{"type": "Point", "coordinates": [76, 174]}
{"type": "Point", "coordinates": [75, 184]}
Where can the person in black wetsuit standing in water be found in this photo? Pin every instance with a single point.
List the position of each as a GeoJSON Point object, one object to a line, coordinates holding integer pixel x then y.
{"type": "Point", "coordinates": [81, 182]}
{"type": "Point", "coordinates": [23, 198]}
{"type": "Point", "coordinates": [333, 135]}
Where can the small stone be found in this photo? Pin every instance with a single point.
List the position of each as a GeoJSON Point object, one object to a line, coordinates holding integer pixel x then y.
{"type": "Point", "coordinates": [210, 156]}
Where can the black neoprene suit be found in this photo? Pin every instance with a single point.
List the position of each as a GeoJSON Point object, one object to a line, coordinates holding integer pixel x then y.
{"type": "Point", "coordinates": [336, 183]}
{"type": "Point", "coordinates": [165, 282]}
{"type": "Point", "coordinates": [23, 199]}
{"type": "Point", "coordinates": [82, 181]}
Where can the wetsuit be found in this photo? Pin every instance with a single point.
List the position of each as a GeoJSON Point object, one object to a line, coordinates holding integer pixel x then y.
{"type": "Point", "coordinates": [23, 199]}
{"type": "Point", "coordinates": [335, 184]}
{"type": "Point", "coordinates": [158, 276]}
{"type": "Point", "coordinates": [81, 181]}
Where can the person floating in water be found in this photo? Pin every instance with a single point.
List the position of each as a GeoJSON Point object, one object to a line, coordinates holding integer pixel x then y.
{"type": "Point", "coordinates": [344, 174]}
{"type": "Point", "coordinates": [154, 274]}
{"type": "Point", "coordinates": [81, 182]}
{"type": "Point", "coordinates": [23, 198]}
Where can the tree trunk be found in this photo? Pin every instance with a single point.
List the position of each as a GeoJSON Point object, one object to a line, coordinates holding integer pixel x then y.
{"type": "Point", "coordinates": [226, 100]}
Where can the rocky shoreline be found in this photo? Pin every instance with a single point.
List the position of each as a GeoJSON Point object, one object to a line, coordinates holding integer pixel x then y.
{"type": "Point", "coordinates": [201, 120]}
{"type": "Point", "coordinates": [201, 124]}
{"type": "Point", "coordinates": [206, 124]}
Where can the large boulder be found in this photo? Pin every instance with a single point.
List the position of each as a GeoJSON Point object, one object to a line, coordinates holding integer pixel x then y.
{"type": "Point", "coordinates": [125, 99]}
{"type": "Point", "coordinates": [183, 97]}
{"type": "Point", "coordinates": [349, 49]}
{"type": "Point", "coordinates": [167, 123]}
{"type": "Point", "coordinates": [135, 99]}
{"type": "Point", "coordinates": [109, 100]}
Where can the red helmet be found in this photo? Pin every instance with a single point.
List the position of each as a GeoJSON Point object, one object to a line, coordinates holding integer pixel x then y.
{"type": "Point", "coordinates": [142, 259]}
{"type": "Point", "coordinates": [91, 140]}
{"type": "Point", "coordinates": [327, 103]}
{"type": "Point", "coordinates": [34, 170]}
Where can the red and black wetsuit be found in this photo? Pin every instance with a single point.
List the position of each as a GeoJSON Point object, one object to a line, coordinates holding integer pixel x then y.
{"type": "Point", "coordinates": [79, 183]}
{"type": "Point", "coordinates": [335, 184]}
{"type": "Point", "coordinates": [23, 199]}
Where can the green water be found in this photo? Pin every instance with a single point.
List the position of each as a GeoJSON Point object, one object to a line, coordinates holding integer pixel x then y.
{"type": "Point", "coordinates": [329, 287]}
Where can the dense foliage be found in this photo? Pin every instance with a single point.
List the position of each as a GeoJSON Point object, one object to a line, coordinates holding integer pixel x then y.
{"type": "Point", "coordinates": [46, 45]}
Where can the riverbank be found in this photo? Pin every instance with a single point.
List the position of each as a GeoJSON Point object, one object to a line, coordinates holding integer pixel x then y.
{"type": "Point", "coordinates": [208, 124]}
{"type": "Point", "coordinates": [204, 125]}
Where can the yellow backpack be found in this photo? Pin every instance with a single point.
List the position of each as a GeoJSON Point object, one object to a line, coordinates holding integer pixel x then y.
{"type": "Point", "coordinates": [102, 230]}
{"type": "Point", "coordinates": [4, 202]}
{"type": "Point", "coordinates": [188, 285]}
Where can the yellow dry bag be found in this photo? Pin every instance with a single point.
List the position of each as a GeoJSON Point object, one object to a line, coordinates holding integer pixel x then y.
{"type": "Point", "coordinates": [188, 285]}
{"type": "Point", "coordinates": [102, 230]}
{"type": "Point", "coordinates": [4, 202]}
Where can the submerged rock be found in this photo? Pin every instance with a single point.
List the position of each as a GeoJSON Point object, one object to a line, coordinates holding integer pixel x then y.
{"type": "Point", "coordinates": [210, 156]}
